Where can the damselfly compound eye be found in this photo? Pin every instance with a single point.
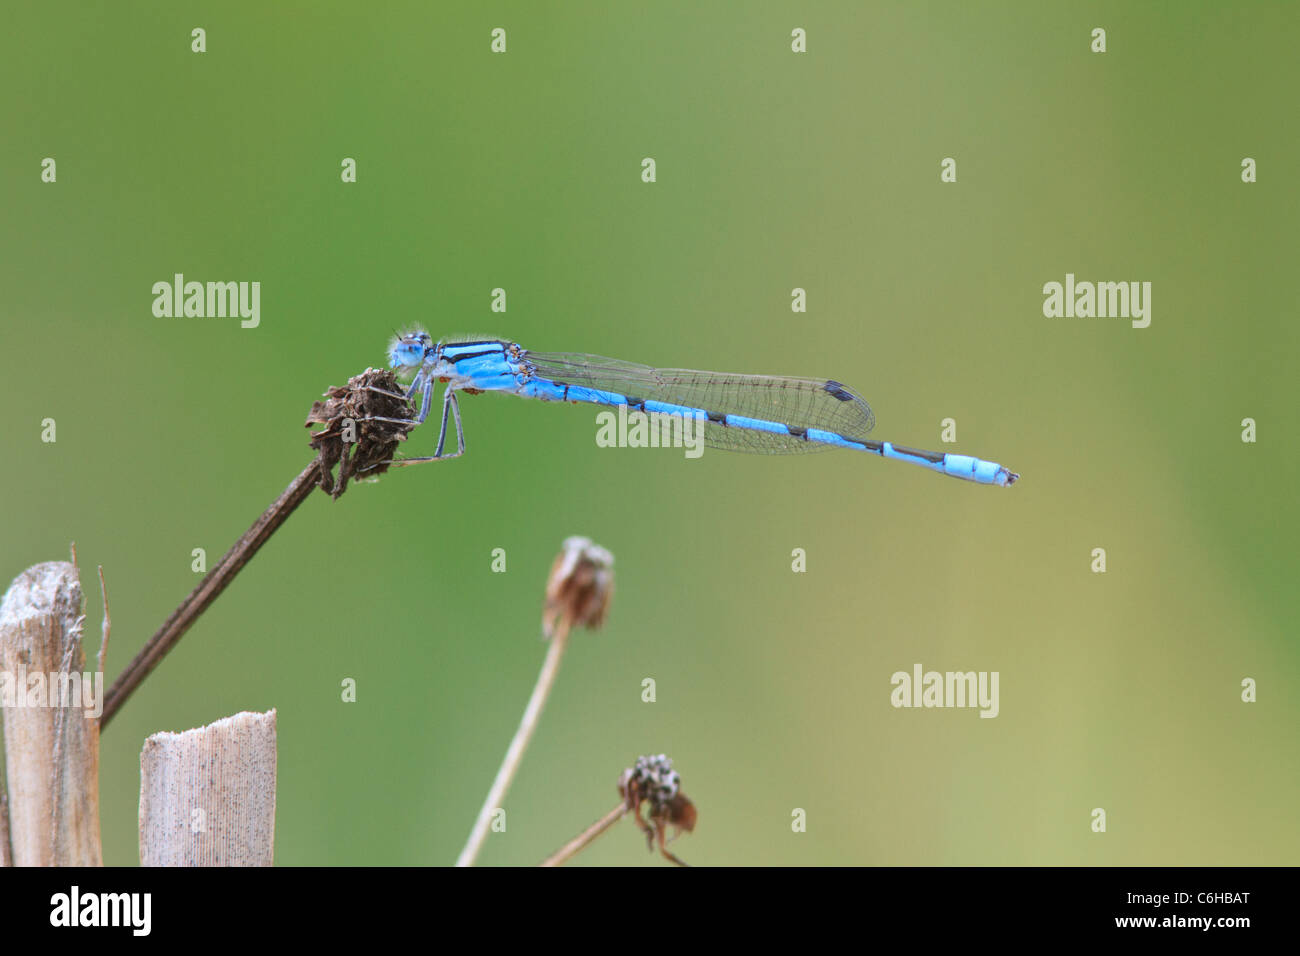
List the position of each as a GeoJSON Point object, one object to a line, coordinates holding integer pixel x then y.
{"type": "Point", "coordinates": [408, 351]}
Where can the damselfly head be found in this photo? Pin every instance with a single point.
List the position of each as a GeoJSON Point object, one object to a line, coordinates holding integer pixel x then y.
{"type": "Point", "coordinates": [408, 350]}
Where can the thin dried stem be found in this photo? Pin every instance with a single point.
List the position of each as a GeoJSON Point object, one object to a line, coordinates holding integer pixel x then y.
{"type": "Point", "coordinates": [208, 590]}
{"type": "Point", "coordinates": [515, 754]}
{"type": "Point", "coordinates": [585, 838]}
{"type": "Point", "coordinates": [349, 410]}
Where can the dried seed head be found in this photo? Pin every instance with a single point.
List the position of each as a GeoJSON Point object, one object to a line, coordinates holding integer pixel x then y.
{"type": "Point", "coordinates": [356, 435]}
{"type": "Point", "coordinates": [681, 813]}
{"type": "Point", "coordinates": [580, 587]}
{"type": "Point", "coordinates": [654, 781]}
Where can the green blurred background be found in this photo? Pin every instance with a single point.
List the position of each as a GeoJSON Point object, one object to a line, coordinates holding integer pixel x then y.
{"type": "Point", "coordinates": [522, 171]}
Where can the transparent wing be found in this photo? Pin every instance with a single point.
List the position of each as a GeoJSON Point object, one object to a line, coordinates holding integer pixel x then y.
{"type": "Point", "coordinates": [797, 402]}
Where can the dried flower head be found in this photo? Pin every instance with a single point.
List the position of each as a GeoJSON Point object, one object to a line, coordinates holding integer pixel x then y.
{"type": "Point", "coordinates": [653, 782]}
{"type": "Point", "coordinates": [580, 587]}
{"type": "Point", "coordinates": [364, 421]}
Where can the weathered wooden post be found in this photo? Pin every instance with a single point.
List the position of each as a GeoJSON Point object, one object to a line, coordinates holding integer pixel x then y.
{"type": "Point", "coordinates": [207, 796]}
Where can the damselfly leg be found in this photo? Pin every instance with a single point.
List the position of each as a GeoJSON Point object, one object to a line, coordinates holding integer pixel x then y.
{"type": "Point", "coordinates": [449, 407]}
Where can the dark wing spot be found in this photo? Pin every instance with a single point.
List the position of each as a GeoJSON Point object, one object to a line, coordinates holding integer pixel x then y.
{"type": "Point", "coordinates": [838, 391]}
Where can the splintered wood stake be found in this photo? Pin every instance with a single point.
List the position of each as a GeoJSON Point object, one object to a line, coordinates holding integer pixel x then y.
{"type": "Point", "coordinates": [6, 858]}
{"type": "Point", "coordinates": [51, 721]}
{"type": "Point", "coordinates": [207, 796]}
